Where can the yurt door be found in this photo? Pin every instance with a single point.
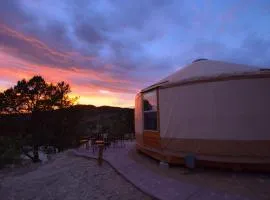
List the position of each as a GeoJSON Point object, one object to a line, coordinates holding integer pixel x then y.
{"type": "Point", "coordinates": [151, 134]}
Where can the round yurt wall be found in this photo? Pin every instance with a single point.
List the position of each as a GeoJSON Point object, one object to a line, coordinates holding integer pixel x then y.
{"type": "Point", "coordinates": [216, 111]}
{"type": "Point", "coordinates": [217, 118]}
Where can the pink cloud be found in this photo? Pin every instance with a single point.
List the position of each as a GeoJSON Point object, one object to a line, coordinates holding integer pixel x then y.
{"type": "Point", "coordinates": [13, 69]}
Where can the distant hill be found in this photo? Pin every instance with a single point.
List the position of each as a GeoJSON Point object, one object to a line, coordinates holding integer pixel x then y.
{"type": "Point", "coordinates": [78, 119]}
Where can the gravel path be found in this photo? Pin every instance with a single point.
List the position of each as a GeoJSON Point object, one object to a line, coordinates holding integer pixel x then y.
{"type": "Point", "coordinates": [176, 183]}
{"type": "Point", "coordinates": [69, 177]}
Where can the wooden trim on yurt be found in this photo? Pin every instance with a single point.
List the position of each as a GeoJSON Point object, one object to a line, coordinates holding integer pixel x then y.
{"type": "Point", "coordinates": [252, 75]}
{"type": "Point", "coordinates": [151, 139]}
{"type": "Point", "coordinates": [206, 162]}
{"type": "Point", "coordinates": [158, 116]}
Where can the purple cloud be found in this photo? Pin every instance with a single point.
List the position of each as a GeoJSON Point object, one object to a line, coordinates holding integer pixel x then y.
{"type": "Point", "coordinates": [141, 41]}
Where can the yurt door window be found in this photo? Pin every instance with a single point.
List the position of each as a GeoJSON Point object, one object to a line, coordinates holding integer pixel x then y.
{"type": "Point", "coordinates": [150, 110]}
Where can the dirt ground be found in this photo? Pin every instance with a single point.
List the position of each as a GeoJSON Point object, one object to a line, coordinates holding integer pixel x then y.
{"type": "Point", "coordinates": [66, 177]}
{"type": "Point", "coordinates": [251, 185]}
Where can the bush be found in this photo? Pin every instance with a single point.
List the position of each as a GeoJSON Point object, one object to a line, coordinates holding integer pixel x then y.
{"type": "Point", "coordinates": [9, 150]}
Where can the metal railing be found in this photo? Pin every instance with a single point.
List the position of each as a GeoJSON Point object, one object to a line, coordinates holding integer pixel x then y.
{"type": "Point", "coordinates": [109, 142]}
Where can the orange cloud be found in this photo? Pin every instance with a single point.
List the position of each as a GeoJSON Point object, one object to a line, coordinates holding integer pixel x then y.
{"type": "Point", "coordinates": [13, 69]}
{"type": "Point", "coordinates": [22, 56]}
{"type": "Point", "coordinates": [100, 100]}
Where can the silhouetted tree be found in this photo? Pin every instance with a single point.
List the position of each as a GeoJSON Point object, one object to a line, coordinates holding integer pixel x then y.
{"type": "Point", "coordinates": [34, 96]}
{"type": "Point", "coordinates": [147, 105]}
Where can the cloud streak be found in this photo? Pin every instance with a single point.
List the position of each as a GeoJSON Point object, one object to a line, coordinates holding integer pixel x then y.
{"type": "Point", "coordinates": [34, 50]}
{"type": "Point", "coordinates": [120, 46]}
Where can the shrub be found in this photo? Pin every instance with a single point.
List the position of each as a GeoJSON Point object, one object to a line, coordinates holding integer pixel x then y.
{"type": "Point", "coordinates": [9, 150]}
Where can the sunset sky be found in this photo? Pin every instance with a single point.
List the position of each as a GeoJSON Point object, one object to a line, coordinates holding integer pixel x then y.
{"type": "Point", "coordinates": [110, 49]}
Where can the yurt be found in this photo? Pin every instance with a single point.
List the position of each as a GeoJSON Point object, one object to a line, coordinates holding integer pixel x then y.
{"type": "Point", "coordinates": [216, 112]}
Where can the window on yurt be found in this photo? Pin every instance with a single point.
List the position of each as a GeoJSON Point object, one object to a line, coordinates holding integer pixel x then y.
{"type": "Point", "coordinates": [150, 110]}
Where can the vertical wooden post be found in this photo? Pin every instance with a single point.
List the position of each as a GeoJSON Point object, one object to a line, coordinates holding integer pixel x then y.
{"type": "Point", "coordinates": [100, 151]}
{"type": "Point", "coordinates": [87, 145]}
{"type": "Point", "coordinates": [100, 154]}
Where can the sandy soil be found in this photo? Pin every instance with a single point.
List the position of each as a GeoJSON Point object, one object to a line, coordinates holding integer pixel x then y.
{"type": "Point", "coordinates": [252, 185]}
{"type": "Point", "coordinates": [67, 177]}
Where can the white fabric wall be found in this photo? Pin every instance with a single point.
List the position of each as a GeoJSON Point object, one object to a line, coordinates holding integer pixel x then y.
{"type": "Point", "coordinates": [138, 114]}
{"type": "Point", "coordinates": [236, 109]}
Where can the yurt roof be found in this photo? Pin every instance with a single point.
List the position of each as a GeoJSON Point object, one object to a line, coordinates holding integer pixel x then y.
{"type": "Point", "coordinates": [202, 69]}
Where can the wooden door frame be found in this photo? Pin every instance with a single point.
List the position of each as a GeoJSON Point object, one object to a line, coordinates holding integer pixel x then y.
{"type": "Point", "coordinates": [151, 138]}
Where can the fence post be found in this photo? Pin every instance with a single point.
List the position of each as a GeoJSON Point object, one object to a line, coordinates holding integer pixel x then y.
{"type": "Point", "coordinates": [87, 145]}
{"type": "Point", "coordinates": [100, 144]}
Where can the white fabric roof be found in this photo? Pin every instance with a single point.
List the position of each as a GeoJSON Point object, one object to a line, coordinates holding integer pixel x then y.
{"type": "Point", "coordinates": [209, 68]}
{"type": "Point", "coordinates": [206, 68]}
